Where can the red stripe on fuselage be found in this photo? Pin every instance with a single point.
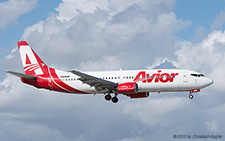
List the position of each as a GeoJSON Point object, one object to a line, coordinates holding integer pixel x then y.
{"type": "Point", "coordinates": [64, 86]}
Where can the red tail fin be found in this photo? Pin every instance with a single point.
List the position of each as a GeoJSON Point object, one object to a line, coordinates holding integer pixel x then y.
{"type": "Point", "coordinates": [32, 64]}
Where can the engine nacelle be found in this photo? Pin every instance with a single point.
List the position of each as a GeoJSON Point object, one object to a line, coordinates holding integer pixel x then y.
{"type": "Point", "coordinates": [140, 95]}
{"type": "Point", "coordinates": [129, 87]}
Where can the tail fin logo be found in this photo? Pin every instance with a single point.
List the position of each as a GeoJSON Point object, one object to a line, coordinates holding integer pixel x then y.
{"type": "Point", "coordinates": [31, 67]}
{"type": "Point", "coordinates": [30, 62]}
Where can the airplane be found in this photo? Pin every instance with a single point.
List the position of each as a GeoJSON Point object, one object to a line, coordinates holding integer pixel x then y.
{"type": "Point", "coordinates": [132, 83]}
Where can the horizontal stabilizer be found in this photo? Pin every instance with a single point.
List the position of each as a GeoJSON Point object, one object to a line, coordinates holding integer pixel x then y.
{"type": "Point", "coordinates": [24, 76]}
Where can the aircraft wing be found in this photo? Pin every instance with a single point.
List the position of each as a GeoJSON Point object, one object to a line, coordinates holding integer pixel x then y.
{"type": "Point", "coordinates": [100, 85]}
{"type": "Point", "coordinates": [21, 75]}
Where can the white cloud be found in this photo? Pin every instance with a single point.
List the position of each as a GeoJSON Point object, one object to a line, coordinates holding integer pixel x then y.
{"type": "Point", "coordinates": [12, 54]}
{"type": "Point", "coordinates": [29, 131]}
{"type": "Point", "coordinates": [7, 92]}
{"type": "Point", "coordinates": [132, 139]}
{"type": "Point", "coordinates": [155, 112]}
{"type": "Point", "coordinates": [219, 21]}
{"type": "Point", "coordinates": [68, 9]}
{"type": "Point", "coordinates": [159, 61]}
{"type": "Point", "coordinates": [205, 56]}
{"type": "Point", "coordinates": [124, 30]}
{"type": "Point", "coordinates": [12, 9]}
{"type": "Point", "coordinates": [105, 63]}
{"type": "Point", "coordinates": [212, 126]}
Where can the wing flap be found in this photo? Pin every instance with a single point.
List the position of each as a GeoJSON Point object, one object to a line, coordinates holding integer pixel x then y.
{"type": "Point", "coordinates": [99, 84]}
{"type": "Point", "coordinates": [21, 75]}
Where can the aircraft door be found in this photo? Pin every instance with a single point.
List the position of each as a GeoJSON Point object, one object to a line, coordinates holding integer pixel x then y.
{"type": "Point", "coordinates": [185, 77]}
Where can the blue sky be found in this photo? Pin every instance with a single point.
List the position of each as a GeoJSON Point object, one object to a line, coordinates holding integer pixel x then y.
{"type": "Point", "coordinates": [107, 35]}
{"type": "Point", "coordinates": [13, 31]}
{"type": "Point", "coordinates": [200, 13]}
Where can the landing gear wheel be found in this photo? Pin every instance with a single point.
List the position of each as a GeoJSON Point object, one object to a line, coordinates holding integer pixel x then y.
{"type": "Point", "coordinates": [191, 96]}
{"type": "Point", "coordinates": [114, 99]}
{"type": "Point", "coordinates": [108, 97]}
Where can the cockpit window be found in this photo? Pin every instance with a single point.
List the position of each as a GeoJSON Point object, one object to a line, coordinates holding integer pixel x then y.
{"type": "Point", "coordinates": [202, 75]}
{"type": "Point", "coordinates": [198, 75]}
{"type": "Point", "coordinates": [195, 75]}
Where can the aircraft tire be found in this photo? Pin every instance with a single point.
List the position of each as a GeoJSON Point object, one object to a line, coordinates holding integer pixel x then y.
{"type": "Point", "coordinates": [108, 97]}
{"type": "Point", "coordinates": [191, 96]}
{"type": "Point", "coordinates": [114, 99]}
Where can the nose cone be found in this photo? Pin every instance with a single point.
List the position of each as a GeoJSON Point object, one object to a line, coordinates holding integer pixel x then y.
{"type": "Point", "coordinates": [211, 82]}
{"type": "Point", "coordinates": [206, 82]}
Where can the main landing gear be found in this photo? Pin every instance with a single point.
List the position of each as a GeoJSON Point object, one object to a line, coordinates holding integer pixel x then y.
{"type": "Point", "coordinates": [108, 97]}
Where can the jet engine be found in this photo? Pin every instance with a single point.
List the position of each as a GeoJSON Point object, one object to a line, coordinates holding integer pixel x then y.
{"type": "Point", "coordinates": [127, 88]}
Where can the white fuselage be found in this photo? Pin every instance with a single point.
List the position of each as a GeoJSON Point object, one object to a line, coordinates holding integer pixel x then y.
{"type": "Point", "coordinates": [158, 80]}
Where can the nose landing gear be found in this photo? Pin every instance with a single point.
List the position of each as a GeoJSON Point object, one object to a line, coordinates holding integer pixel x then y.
{"type": "Point", "coordinates": [191, 96]}
{"type": "Point", "coordinates": [193, 91]}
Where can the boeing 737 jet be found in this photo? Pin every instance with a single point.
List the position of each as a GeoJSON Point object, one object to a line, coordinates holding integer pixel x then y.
{"type": "Point", "coordinates": [132, 83]}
